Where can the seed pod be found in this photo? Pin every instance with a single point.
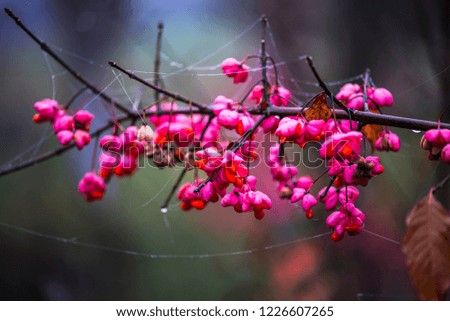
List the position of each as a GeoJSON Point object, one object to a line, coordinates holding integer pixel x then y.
{"type": "Point", "coordinates": [145, 132]}
{"type": "Point", "coordinates": [285, 192]}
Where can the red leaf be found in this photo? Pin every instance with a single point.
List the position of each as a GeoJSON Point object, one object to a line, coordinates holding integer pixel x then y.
{"type": "Point", "coordinates": [427, 249]}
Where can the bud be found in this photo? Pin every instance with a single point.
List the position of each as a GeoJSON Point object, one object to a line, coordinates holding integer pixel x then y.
{"type": "Point", "coordinates": [145, 132]}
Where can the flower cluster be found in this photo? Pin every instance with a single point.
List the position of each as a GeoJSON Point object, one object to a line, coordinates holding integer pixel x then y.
{"type": "Point", "coordinates": [67, 127]}
{"type": "Point", "coordinates": [353, 97]}
{"type": "Point", "coordinates": [221, 145]}
{"type": "Point", "coordinates": [437, 142]}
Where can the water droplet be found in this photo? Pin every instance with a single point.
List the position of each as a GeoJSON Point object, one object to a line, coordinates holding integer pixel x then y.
{"type": "Point", "coordinates": [416, 131]}
{"type": "Point", "coordinates": [164, 209]}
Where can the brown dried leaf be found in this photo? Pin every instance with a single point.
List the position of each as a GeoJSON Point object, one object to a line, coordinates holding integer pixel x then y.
{"type": "Point", "coordinates": [319, 109]}
{"type": "Point", "coordinates": [372, 132]}
{"type": "Point", "coordinates": [427, 248]}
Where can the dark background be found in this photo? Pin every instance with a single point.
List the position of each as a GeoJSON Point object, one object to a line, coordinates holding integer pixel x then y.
{"type": "Point", "coordinates": [405, 43]}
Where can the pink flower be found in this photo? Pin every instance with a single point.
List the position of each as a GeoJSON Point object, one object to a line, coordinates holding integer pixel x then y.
{"type": "Point", "coordinates": [382, 97]}
{"type": "Point", "coordinates": [270, 124]}
{"type": "Point", "coordinates": [233, 169]}
{"type": "Point", "coordinates": [347, 90]}
{"type": "Point", "coordinates": [83, 120]}
{"type": "Point", "coordinates": [304, 182]}
{"type": "Point", "coordinates": [212, 133]}
{"type": "Point", "coordinates": [208, 159]}
{"type": "Point", "coordinates": [230, 199]}
{"type": "Point", "coordinates": [221, 103]}
{"type": "Point", "coordinates": [348, 219]}
{"type": "Point", "coordinates": [63, 123]}
{"type": "Point", "coordinates": [189, 199]}
{"type": "Point", "coordinates": [343, 195]}
{"type": "Point", "coordinates": [46, 109]}
{"type": "Point", "coordinates": [388, 141]}
{"type": "Point", "coordinates": [434, 141]}
{"type": "Point", "coordinates": [158, 120]}
{"type": "Point", "coordinates": [343, 126]}
{"type": "Point", "coordinates": [308, 200]}
{"type": "Point", "coordinates": [329, 199]}
{"type": "Point", "coordinates": [244, 124]}
{"type": "Point", "coordinates": [65, 136]}
{"type": "Point", "coordinates": [107, 161]}
{"type": "Point", "coordinates": [291, 129]}
{"type": "Point", "coordinates": [228, 118]}
{"type": "Point", "coordinates": [348, 194]}
{"type": "Point", "coordinates": [256, 93]}
{"type": "Point", "coordinates": [280, 96]}
{"type": "Point", "coordinates": [314, 130]}
{"type": "Point", "coordinates": [297, 194]}
{"type": "Point", "coordinates": [111, 143]}
{"type": "Point", "coordinates": [445, 154]}
{"type": "Point", "coordinates": [336, 167]}
{"type": "Point", "coordinates": [355, 101]}
{"type": "Point", "coordinates": [180, 133]}
{"type": "Point", "coordinates": [365, 169]}
{"type": "Point", "coordinates": [82, 138]}
{"type": "Point", "coordinates": [92, 186]}
{"type": "Point", "coordinates": [127, 165]}
{"type": "Point", "coordinates": [438, 137]}
{"type": "Point", "coordinates": [342, 146]}
{"type": "Point", "coordinates": [283, 172]}
{"type": "Point", "coordinates": [234, 69]}
{"type": "Point", "coordinates": [257, 202]}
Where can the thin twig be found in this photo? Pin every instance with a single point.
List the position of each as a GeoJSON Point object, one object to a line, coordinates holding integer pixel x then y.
{"type": "Point", "coordinates": [158, 62]}
{"type": "Point", "coordinates": [366, 83]}
{"type": "Point", "coordinates": [69, 69]}
{"type": "Point", "coordinates": [263, 58]}
{"type": "Point", "coordinates": [442, 183]}
{"type": "Point", "coordinates": [201, 107]}
{"type": "Point", "coordinates": [325, 87]}
{"type": "Point", "coordinates": [364, 117]}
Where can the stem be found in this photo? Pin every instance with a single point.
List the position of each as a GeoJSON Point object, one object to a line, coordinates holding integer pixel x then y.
{"type": "Point", "coordinates": [174, 188]}
{"type": "Point", "coordinates": [69, 69]}
{"type": "Point", "coordinates": [48, 155]}
{"type": "Point", "coordinates": [442, 183]}
{"type": "Point", "coordinates": [364, 117]}
{"type": "Point", "coordinates": [324, 194]}
{"type": "Point", "coordinates": [274, 65]}
{"type": "Point", "coordinates": [158, 62]}
{"type": "Point", "coordinates": [325, 87]}
{"type": "Point", "coordinates": [366, 82]}
{"type": "Point", "coordinates": [177, 97]}
{"type": "Point", "coordinates": [264, 63]}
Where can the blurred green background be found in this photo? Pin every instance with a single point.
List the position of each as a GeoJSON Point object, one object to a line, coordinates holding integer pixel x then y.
{"type": "Point", "coordinates": [405, 43]}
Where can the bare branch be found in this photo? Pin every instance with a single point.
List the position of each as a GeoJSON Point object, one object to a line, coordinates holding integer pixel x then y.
{"type": "Point", "coordinates": [201, 107]}
{"type": "Point", "coordinates": [69, 69]}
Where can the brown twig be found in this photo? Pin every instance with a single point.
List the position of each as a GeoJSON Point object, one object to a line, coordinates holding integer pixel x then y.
{"type": "Point", "coordinates": [158, 62]}
{"type": "Point", "coordinates": [364, 117]}
{"type": "Point", "coordinates": [69, 69]}
{"type": "Point", "coordinates": [325, 87]}
{"type": "Point", "coordinates": [201, 107]}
